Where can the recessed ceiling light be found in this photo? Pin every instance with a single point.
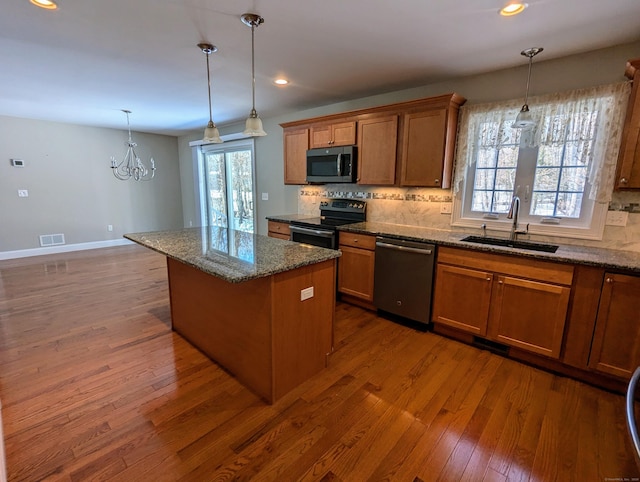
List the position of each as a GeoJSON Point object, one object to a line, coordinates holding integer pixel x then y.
{"type": "Point", "coordinates": [281, 81]}
{"type": "Point", "coordinates": [48, 4]}
{"type": "Point", "coordinates": [513, 8]}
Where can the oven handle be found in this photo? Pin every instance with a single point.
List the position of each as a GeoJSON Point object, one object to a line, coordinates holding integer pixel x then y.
{"type": "Point", "coordinates": [317, 232]}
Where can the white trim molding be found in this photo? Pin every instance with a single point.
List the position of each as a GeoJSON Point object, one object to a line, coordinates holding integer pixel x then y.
{"type": "Point", "coordinates": [25, 253]}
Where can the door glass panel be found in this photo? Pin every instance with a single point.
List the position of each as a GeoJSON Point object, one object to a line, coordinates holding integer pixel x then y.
{"type": "Point", "coordinates": [227, 187]}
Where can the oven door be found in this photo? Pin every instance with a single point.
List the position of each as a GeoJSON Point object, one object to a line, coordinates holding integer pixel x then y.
{"type": "Point", "coordinates": [324, 238]}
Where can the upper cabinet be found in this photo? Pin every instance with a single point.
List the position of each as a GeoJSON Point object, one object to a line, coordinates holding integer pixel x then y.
{"type": "Point", "coordinates": [376, 158]}
{"type": "Point", "coordinates": [405, 144]}
{"type": "Point", "coordinates": [332, 135]}
{"type": "Point", "coordinates": [628, 174]}
{"type": "Point", "coordinates": [296, 143]}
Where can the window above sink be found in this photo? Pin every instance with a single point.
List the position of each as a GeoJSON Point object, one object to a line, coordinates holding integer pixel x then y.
{"type": "Point", "coordinates": [562, 170]}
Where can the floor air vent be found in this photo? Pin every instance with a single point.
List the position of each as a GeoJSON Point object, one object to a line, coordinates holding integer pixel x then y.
{"type": "Point", "coordinates": [492, 346]}
{"type": "Point", "coordinates": [51, 239]}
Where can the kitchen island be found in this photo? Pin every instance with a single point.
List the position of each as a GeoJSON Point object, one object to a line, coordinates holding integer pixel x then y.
{"type": "Point", "coordinates": [262, 308]}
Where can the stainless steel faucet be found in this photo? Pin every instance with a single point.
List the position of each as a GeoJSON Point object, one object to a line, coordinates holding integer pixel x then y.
{"type": "Point", "coordinates": [514, 212]}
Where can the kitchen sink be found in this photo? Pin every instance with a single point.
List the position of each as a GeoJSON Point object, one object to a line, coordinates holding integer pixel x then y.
{"type": "Point", "coordinates": [547, 248]}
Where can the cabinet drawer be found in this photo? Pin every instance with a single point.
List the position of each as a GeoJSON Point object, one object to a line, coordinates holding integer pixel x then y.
{"type": "Point", "coordinates": [363, 241]}
{"type": "Point", "coordinates": [511, 265]}
{"type": "Point", "coordinates": [279, 228]}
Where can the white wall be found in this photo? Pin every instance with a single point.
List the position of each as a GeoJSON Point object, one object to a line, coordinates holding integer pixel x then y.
{"type": "Point", "coordinates": [71, 187]}
{"type": "Point", "coordinates": [577, 71]}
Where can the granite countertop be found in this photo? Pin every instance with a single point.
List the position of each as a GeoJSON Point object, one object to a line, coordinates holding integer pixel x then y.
{"type": "Point", "coordinates": [234, 256]}
{"type": "Point", "coordinates": [566, 253]}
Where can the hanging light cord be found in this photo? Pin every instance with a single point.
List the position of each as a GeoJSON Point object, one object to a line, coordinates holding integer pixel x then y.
{"type": "Point", "coordinates": [253, 71]}
{"type": "Point", "coordinates": [526, 94]}
{"type": "Point", "coordinates": [131, 143]}
{"type": "Point", "coordinates": [209, 86]}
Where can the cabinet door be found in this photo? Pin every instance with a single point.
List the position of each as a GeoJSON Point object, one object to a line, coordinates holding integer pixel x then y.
{"type": "Point", "coordinates": [377, 141]}
{"type": "Point", "coordinates": [296, 143]}
{"type": "Point", "coordinates": [355, 272]}
{"type": "Point", "coordinates": [320, 136]}
{"type": "Point", "coordinates": [423, 148]}
{"type": "Point", "coordinates": [529, 315]}
{"type": "Point", "coordinates": [616, 340]}
{"type": "Point", "coordinates": [343, 134]}
{"type": "Point", "coordinates": [462, 297]}
{"type": "Point", "coordinates": [628, 175]}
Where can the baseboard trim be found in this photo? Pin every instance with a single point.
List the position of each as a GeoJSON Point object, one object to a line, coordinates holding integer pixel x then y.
{"type": "Point", "coordinates": [65, 248]}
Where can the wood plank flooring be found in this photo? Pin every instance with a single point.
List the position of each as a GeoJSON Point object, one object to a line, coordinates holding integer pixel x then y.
{"type": "Point", "coordinates": [95, 386]}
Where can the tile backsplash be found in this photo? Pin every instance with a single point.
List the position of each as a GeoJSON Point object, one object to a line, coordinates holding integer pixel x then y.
{"type": "Point", "coordinates": [422, 207]}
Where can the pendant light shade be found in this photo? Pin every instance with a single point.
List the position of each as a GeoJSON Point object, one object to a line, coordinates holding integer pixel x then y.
{"type": "Point", "coordinates": [211, 133]}
{"type": "Point", "coordinates": [524, 119]}
{"type": "Point", "coordinates": [253, 125]}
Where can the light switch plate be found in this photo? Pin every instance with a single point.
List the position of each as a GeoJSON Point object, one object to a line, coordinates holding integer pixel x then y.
{"type": "Point", "coordinates": [265, 196]}
{"type": "Point", "coordinates": [23, 193]}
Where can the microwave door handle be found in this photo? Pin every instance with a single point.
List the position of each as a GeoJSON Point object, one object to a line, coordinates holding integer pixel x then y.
{"type": "Point", "coordinates": [339, 164]}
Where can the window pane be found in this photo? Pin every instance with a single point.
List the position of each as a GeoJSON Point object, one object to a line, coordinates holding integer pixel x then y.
{"type": "Point", "coordinates": [502, 201]}
{"type": "Point", "coordinates": [546, 179]}
{"type": "Point", "coordinates": [216, 189]}
{"type": "Point", "coordinates": [241, 179]}
{"type": "Point", "coordinates": [573, 179]}
{"type": "Point", "coordinates": [569, 204]}
{"type": "Point", "coordinates": [550, 155]}
{"type": "Point", "coordinates": [505, 179]}
{"type": "Point", "coordinates": [543, 204]}
{"type": "Point", "coordinates": [486, 158]}
{"type": "Point", "coordinates": [578, 153]}
{"type": "Point", "coordinates": [508, 156]}
{"type": "Point", "coordinates": [484, 179]}
{"type": "Point", "coordinates": [481, 201]}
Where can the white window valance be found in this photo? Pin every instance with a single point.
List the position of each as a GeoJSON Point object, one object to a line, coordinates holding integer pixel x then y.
{"type": "Point", "coordinates": [608, 101]}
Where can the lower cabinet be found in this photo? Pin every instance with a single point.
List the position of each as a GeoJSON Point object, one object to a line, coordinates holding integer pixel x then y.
{"type": "Point", "coordinates": [515, 301]}
{"type": "Point", "coordinates": [356, 265]}
{"type": "Point", "coordinates": [616, 341]}
{"type": "Point", "coordinates": [278, 230]}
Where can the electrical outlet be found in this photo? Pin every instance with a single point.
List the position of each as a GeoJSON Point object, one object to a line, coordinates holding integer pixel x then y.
{"type": "Point", "coordinates": [265, 196]}
{"type": "Point", "coordinates": [109, 227]}
{"type": "Point", "coordinates": [23, 193]}
{"type": "Point", "coordinates": [445, 208]}
{"type": "Point", "coordinates": [617, 218]}
{"type": "Point", "coordinates": [306, 293]}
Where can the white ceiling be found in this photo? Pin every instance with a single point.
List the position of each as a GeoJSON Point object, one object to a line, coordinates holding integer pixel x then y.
{"type": "Point", "coordinates": [90, 58]}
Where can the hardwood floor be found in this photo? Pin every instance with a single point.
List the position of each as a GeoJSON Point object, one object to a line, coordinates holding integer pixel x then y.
{"type": "Point", "coordinates": [95, 386]}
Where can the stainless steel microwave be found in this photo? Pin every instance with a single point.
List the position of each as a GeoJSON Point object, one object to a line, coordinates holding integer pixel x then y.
{"type": "Point", "coordinates": [331, 164]}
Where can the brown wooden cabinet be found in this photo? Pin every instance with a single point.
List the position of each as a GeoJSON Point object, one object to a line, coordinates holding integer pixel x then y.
{"type": "Point", "coordinates": [335, 134]}
{"type": "Point", "coordinates": [377, 145]}
{"type": "Point", "coordinates": [616, 341]}
{"type": "Point", "coordinates": [279, 230]}
{"type": "Point", "coordinates": [515, 301]}
{"type": "Point", "coordinates": [628, 173]}
{"type": "Point", "coordinates": [356, 265]}
{"type": "Point", "coordinates": [296, 143]}
{"type": "Point", "coordinates": [409, 143]}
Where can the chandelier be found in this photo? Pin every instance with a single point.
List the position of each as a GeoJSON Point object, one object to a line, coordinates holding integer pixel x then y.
{"type": "Point", "coordinates": [131, 166]}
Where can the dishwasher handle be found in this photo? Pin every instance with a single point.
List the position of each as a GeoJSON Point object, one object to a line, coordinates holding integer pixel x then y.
{"type": "Point", "coordinates": [406, 249]}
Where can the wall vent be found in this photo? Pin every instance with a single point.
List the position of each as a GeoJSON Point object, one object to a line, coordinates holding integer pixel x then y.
{"type": "Point", "coordinates": [51, 239]}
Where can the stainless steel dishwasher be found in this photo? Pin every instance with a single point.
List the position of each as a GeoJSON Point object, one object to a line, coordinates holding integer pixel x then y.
{"type": "Point", "coordinates": [403, 278]}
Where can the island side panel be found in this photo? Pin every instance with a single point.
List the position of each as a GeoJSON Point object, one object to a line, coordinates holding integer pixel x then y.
{"type": "Point", "coordinates": [229, 322]}
{"type": "Point", "coordinates": [302, 330]}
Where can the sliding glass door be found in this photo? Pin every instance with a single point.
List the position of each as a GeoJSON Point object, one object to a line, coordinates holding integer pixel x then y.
{"type": "Point", "coordinates": [227, 185]}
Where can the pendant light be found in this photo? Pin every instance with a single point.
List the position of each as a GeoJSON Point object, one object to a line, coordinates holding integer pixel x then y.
{"type": "Point", "coordinates": [524, 120]}
{"type": "Point", "coordinates": [253, 125]}
{"type": "Point", "coordinates": [211, 133]}
{"type": "Point", "coordinates": [132, 166]}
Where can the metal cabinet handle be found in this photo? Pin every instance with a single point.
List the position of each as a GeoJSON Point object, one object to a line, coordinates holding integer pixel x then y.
{"type": "Point", "coordinates": [609, 280]}
{"type": "Point", "coordinates": [436, 181]}
{"type": "Point", "coordinates": [500, 282]}
{"type": "Point", "coordinates": [488, 279]}
{"type": "Point", "coordinates": [624, 180]}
